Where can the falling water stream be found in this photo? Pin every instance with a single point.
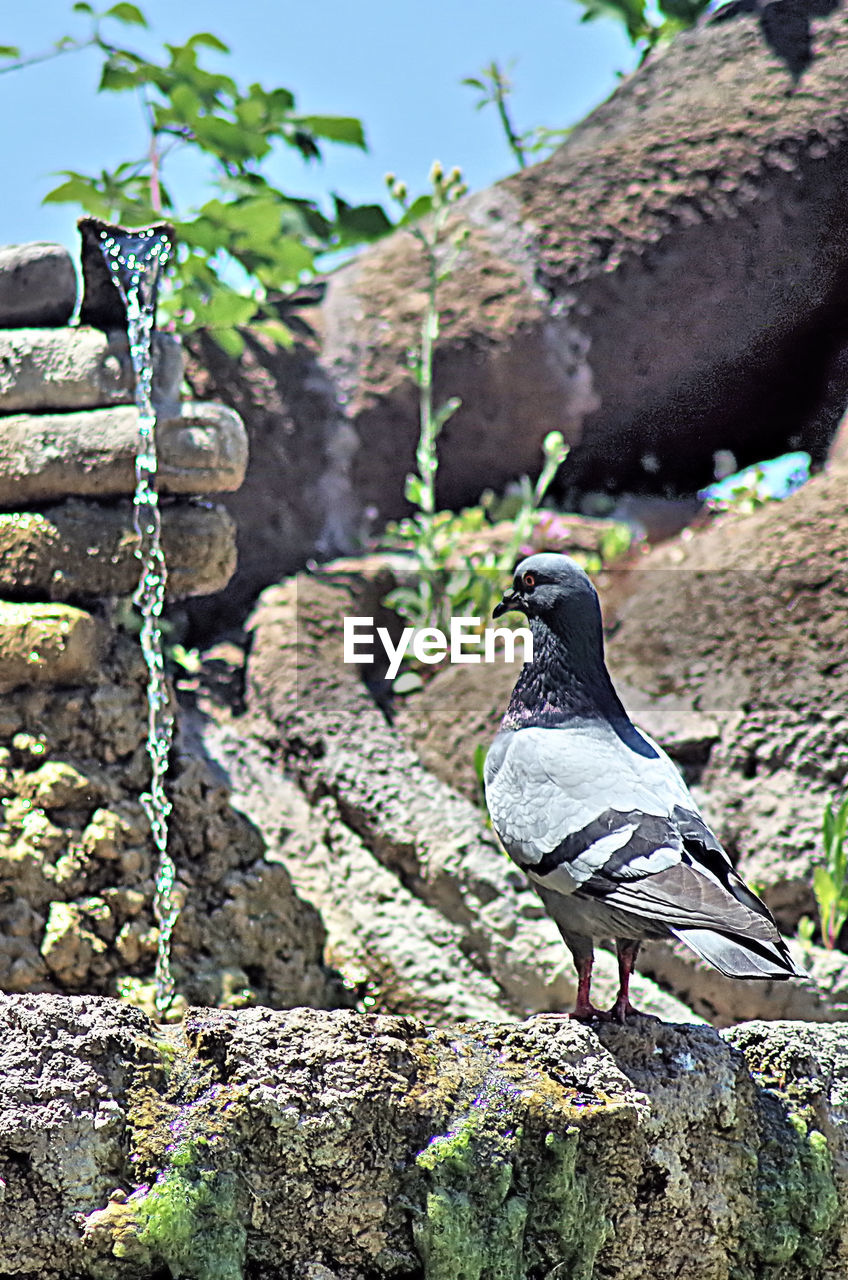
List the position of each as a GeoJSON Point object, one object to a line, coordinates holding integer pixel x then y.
{"type": "Point", "coordinates": [135, 260]}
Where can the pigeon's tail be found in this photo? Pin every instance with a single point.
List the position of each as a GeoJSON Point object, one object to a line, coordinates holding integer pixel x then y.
{"type": "Point", "coordinates": [742, 957]}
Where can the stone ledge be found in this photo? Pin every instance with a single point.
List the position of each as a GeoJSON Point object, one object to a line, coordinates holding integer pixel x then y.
{"type": "Point", "coordinates": [66, 369]}
{"type": "Point", "coordinates": [38, 285]}
{"type": "Point", "coordinates": [84, 549]}
{"type": "Point", "coordinates": [43, 458]}
{"type": "Point", "coordinates": [307, 1143]}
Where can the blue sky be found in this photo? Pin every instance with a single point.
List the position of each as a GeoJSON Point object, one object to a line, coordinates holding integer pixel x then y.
{"type": "Point", "coordinates": [394, 63]}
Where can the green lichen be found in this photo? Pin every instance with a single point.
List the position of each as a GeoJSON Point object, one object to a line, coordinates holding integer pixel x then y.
{"type": "Point", "coordinates": [495, 1174]}
{"type": "Point", "coordinates": [797, 1199]}
{"type": "Point", "coordinates": [569, 1221]}
{"type": "Point", "coordinates": [190, 1215]}
{"type": "Point", "coordinates": [190, 1218]}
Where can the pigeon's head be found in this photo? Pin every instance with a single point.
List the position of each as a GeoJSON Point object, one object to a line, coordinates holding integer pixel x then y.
{"type": "Point", "coordinates": [551, 587]}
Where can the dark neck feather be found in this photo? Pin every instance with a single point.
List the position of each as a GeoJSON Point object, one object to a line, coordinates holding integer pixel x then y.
{"type": "Point", "coordinates": [567, 679]}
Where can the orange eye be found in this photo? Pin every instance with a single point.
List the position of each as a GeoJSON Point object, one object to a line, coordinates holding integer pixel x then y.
{"type": "Point", "coordinates": [529, 581]}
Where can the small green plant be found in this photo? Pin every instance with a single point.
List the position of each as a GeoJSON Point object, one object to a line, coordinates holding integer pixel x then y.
{"type": "Point", "coordinates": [830, 878]}
{"type": "Point", "coordinates": [250, 243]}
{"type": "Point", "coordinates": [426, 219]}
{"type": "Point", "coordinates": [806, 931]}
{"type": "Point", "coordinates": [450, 582]}
{"type": "Point", "coordinates": [462, 581]}
{"type": "Point", "coordinates": [494, 88]}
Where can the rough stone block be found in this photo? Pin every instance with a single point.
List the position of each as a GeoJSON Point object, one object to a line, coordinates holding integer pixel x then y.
{"type": "Point", "coordinates": [83, 549]}
{"type": "Point", "coordinates": [44, 369]}
{"type": "Point", "coordinates": [47, 644]}
{"type": "Point", "coordinates": [202, 449]}
{"type": "Point", "coordinates": [38, 285]}
{"type": "Point", "coordinates": [376, 1146]}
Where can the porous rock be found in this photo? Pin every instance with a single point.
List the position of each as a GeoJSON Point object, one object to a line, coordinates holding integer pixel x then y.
{"type": "Point", "coordinates": [745, 622]}
{"type": "Point", "coordinates": [202, 448]}
{"type": "Point", "coordinates": [38, 285]}
{"type": "Point", "coordinates": [308, 1143]}
{"type": "Point", "coordinates": [405, 955]}
{"type": "Point", "coordinates": [82, 368]}
{"type": "Point", "coordinates": [87, 549]}
{"type": "Point", "coordinates": [47, 644]}
{"type": "Point", "coordinates": [669, 283]}
{"type": "Point", "coordinates": [77, 859]}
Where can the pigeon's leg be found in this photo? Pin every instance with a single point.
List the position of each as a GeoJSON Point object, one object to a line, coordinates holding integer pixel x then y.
{"type": "Point", "coordinates": [584, 1010]}
{"type": "Point", "coordinates": [627, 950]}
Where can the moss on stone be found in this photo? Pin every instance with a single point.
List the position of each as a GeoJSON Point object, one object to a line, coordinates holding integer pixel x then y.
{"type": "Point", "coordinates": [797, 1198]}
{"type": "Point", "coordinates": [568, 1209]}
{"type": "Point", "coordinates": [496, 1172]}
{"type": "Point", "coordinates": [191, 1217]}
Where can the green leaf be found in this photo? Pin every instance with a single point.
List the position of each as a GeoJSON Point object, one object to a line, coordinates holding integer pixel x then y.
{"type": "Point", "coordinates": [185, 102]}
{"type": "Point", "coordinates": [344, 129]}
{"type": "Point", "coordinates": [279, 102]}
{"type": "Point", "coordinates": [83, 191]}
{"type": "Point", "coordinates": [229, 340]}
{"type": "Point", "coordinates": [9, 51]}
{"type": "Point", "coordinates": [629, 12]}
{"type": "Point", "coordinates": [276, 331]}
{"type": "Point", "coordinates": [75, 189]}
{"type": "Point", "coordinates": [479, 758]}
{"type": "Point", "coordinates": [227, 140]}
{"type": "Point", "coordinates": [445, 411]}
{"type": "Point", "coordinates": [417, 210]}
{"type": "Point", "coordinates": [122, 70]}
{"type": "Point", "coordinates": [413, 490]}
{"type": "Point", "coordinates": [81, 7]}
{"type": "Point", "coordinates": [686, 12]}
{"type": "Point", "coordinates": [129, 14]}
{"type": "Point", "coordinates": [356, 223]}
{"type": "Point", "coordinates": [828, 826]}
{"type": "Point", "coordinates": [824, 889]}
{"type": "Point", "coordinates": [207, 40]}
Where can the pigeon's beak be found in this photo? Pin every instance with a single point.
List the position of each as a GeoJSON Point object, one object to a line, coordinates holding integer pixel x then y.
{"type": "Point", "coordinates": [511, 600]}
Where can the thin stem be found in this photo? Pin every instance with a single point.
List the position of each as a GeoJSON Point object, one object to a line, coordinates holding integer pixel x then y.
{"type": "Point", "coordinates": [512, 137]}
{"type": "Point", "coordinates": [154, 157]}
{"type": "Point", "coordinates": [72, 46]}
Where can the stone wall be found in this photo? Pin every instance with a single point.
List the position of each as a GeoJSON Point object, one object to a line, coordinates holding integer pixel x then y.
{"type": "Point", "coordinates": [76, 861]}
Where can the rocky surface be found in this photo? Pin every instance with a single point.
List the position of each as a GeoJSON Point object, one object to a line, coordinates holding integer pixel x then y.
{"type": "Point", "coordinates": [341, 1145]}
{"type": "Point", "coordinates": [81, 368]}
{"type": "Point", "coordinates": [76, 856]}
{"type": "Point", "coordinates": [47, 644]}
{"type": "Point", "coordinates": [666, 285]}
{"type": "Point", "coordinates": [78, 550]}
{"type": "Point", "coordinates": [45, 457]}
{"type": "Point", "coordinates": [77, 864]}
{"type": "Point", "coordinates": [38, 285]}
{"type": "Point", "coordinates": [745, 623]}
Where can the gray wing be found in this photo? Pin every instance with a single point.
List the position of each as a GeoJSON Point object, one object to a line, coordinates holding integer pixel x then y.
{"type": "Point", "coordinates": [583, 814]}
{"type": "Point", "coordinates": [568, 803]}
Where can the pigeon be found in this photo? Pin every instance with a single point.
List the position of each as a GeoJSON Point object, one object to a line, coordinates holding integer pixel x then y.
{"type": "Point", "coordinates": [597, 815]}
